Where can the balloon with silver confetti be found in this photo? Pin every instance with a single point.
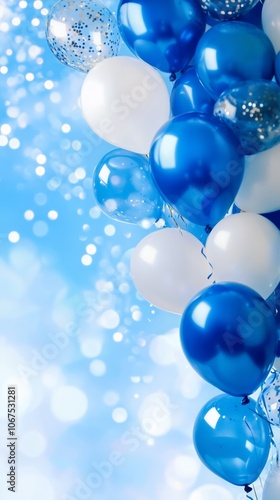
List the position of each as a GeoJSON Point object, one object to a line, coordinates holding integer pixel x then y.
{"type": "Point", "coordinates": [252, 111]}
{"type": "Point", "coordinates": [82, 33]}
{"type": "Point", "coordinates": [269, 399]}
{"type": "Point", "coordinates": [225, 10]}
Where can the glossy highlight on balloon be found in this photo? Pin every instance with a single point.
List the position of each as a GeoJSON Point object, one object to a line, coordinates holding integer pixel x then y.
{"type": "Point", "coordinates": [124, 189]}
{"type": "Point", "coordinates": [229, 336]}
{"type": "Point", "coordinates": [162, 33]}
{"type": "Point", "coordinates": [197, 166]}
{"type": "Point", "coordinates": [252, 111]}
{"type": "Point", "coordinates": [232, 439]}
{"type": "Point", "coordinates": [81, 33]}
{"type": "Point", "coordinates": [233, 52]}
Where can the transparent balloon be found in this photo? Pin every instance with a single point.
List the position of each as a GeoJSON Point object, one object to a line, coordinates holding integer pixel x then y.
{"type": "Point", "coordinates": [269, 399]}
{"type": "Point", "coordinates": [225, 10]}
{"type": "Point", "coordinates": [252, 111]}
{"type": "Point", "coordinates": [82, 33]}
{"type": "Point", "coordinates": [124, 188]}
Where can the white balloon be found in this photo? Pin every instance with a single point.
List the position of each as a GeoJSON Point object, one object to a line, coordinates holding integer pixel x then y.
{"type": "Point", "coordinates": [271, 21]}
{"type": "Point", "coordinates": [245, 248]}
{"type": "Point", "coordinates": [271, 490]}
{"type": "Point", "coordinates": [125, 101]}
{"type": "Point", "coordinates": [168, 268]}
{"type": "Point", "coordinates": [260, 188]}
{"type": "Point", "coordinates": [276, 364]}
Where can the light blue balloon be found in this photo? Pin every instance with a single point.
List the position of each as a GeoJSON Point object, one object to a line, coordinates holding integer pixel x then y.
{"type": "Point", "coordinates": [232, 439]}
{"type": "Point", "coordinates": [233, 52]}
{"type": "Point", "coordinates": [252, 111]}
{"type": "Point", "coordinates": [124, 189]}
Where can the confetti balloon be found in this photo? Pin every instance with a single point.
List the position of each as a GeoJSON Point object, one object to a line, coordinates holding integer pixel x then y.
{"type": "Point", "coordinates": [233, 52]}
{"type": "Point", "coordinates": [226, 10]}
{"type": "Point", "coordinates": [252, 111]}
{"type": "Point", "coordinates": [269, 399]}
{"type": "Point", "coordinates": [232, 440]}
{"type": "Point", "coordinates": [82, 33]}
{"type": "Point", "coordinates": [124, 189]}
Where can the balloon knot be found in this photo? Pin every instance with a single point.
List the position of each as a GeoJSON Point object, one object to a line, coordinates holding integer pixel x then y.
{"type": "Point", "coordinates": [172, 77]}
{"type": "Point", "coordinates": [245, 400]}
{"type": "Point", "coordinates": [247, 488]}
{"type": "Point", "coordinates": [208, 229]}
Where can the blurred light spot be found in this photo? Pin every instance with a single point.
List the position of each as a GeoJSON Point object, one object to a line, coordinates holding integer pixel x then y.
{"type": "Point", "coordinates": [3, 140]}
{"type": "Point", "coordinates": [41, 159]}
{"type": "Point", "coordinates": [91, 347]}
{"type": "Point", "coordinates": [13, 112]}
{"type": "Point", "coordinates": [52, 215]}
{"type": "Point", "coordinates": [44, 12]}
{"type": "Point", "coordinates": [150, 442]}
{"type": "Point", "coordinates": [80, 173]}
{"type": "Point", "coordinates": [97, 368]}
{"type": "Point", "coordinates": [109, 319]}
{"type": "Point", "coordinates": [22, 4]}
{"type": "Point", "coordinates": [135, 380]}
{"type": "Point", "coordinates": [29, 215]}
{"type": "Point", "coordinates": [4, 70]}
{"type": "Point", "coordinates": [95, 212]}
{"type": "Point", "coordinates": [137, 315]}
{"type": "Point", "coordinates": [68, 403]}
{"type": "Point", "coordinates": [13, 237]}
{"type": "Point", "coordinates": [40, 171]}
{"type": "Point", "coordinates": [65, 128]}
{"type": "Point", "coordinates": [76, 145]}
{"type": "Point", "coordinates": [38, 4]}
{"type": "Point", "coordinates": [55, 97]}
{"type": "Point", "coordinates": [109, 230]}
{"type": "Point", "coordinates": [118, 337]}
{"type": "Point", "coordinates": [48, 85]}
{"type": "Point", "coordinates": [29, 77]}
{"type": "Point", "coordinates": [6, 129]}
{"type": "Point", "coordinates": [16, 21]}
{"type": "Point", "coordinates": [163, 349]}
{"type": "Point", "coordinates": [40, 199]}
{"type": "Point", "coordinates": [91, 249]}
{"type": "Point", "coordinates": [14, 143]}
{"type": "Point", "coordinates": [155, 414]}
{"type": "Point", "coordinates": [182, 472]}
{"type": "Point", "coordinates": [86, 260]}
{"type": "Point", "coordinates": [119, 415]}
{"type": "Point", "coordinates": [32, 444]}
{"type": "Point", "coordinates": [124, 288]}
{"type": "Point", "coordinates": [211, 492]}
{"type": "Point", "coordinates": [40, 228]}
{"type": "Point", "coordinates": [111, 398]}
{"type": "Point", "coordinates": [4, 27]}
{"type": "Point", "coordinates": [34, 51]}
{"type": "Point", "coordinates": [35, 21]}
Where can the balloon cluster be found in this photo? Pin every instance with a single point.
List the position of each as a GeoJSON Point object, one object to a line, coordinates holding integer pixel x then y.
{"type": "Point", "coordinates": [215, 164]}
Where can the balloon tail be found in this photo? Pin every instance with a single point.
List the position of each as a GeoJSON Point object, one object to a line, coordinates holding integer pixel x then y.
{"type": "Point", "coordinates": [173, 77]}
{"type": "Point", "coordinates": [173, 217]}
{"type": "Point", "coordinates": [245, 400]}
{"type": "Point", "coordinates": [248, 490]}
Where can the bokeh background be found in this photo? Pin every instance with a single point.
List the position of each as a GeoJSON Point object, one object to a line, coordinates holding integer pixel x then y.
{"type": "Point", "coordinates": [105, 395]}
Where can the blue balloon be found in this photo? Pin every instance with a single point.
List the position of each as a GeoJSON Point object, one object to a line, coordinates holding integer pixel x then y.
{"type": "Point", "coordinates": [274, 304]}
{"type": "Point", "coordinates": [162, 33]}
{"type": "Point", "coordinates": [124, 189]}
{"type": "Point", "coordinates": [252, 111]}
{"type": "Point", "coordinates": [232, 440]}
{"type": "Point", "coordinates": [197, 167]}
{"type": "Point", "coordinates": [233, 52]}
{"type": "Point", "coordinates": [228, 334]}
{"type": "Point", "coordinates": [223, 10]}
{"type": "Point", "coordinates": [188, 94]}
{"type": "Point", "coordinates": [254, 16]}
{"type": "Point", "coordinates": [277, 68]}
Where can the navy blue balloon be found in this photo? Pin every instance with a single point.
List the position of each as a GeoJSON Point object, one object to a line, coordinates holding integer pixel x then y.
{"type": "Point", "coordinates": [274, 304]}
{"type": "Point", "coordinates": [225, 10]}
{"type": "Point", "coordinates": [252, 111]}
{"type": "Point", "coordinates": [254, 16]}
{"type": "Point", "coordinates": [277, 68]}
{"type": "Point", "coordinates": [162, 33]}
{"type": "Point", "coordinates": [188, 94]}
{"type": "Point", "coordinates": [197, 167]}
{"type": "Point", "coordinates": [233, 52]}
{"type": "Point", "coordinates": [228, 334]}
{"type": "Point", "coordinates": [232, 440]}
{"type": "Point", "coordinates": [124, 189]}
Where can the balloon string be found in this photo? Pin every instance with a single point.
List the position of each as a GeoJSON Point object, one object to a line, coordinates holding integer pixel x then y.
{"type": "Point", "coordinates": [255, 492]}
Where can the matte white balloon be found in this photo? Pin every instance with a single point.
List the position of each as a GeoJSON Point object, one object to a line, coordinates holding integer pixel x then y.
{"type": "Point", "coordinates": [271, 21]}
{"type": "Point", "coordinates": [168, 268]}
{"type": "Point", "coordinates": [245, 248]}
{"type": "Point", "coordinates": [271, 490]}
{"type": "Point", "coordinates": [125, 101]}
{"type": "Point", "coordinates": [260, 188]}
